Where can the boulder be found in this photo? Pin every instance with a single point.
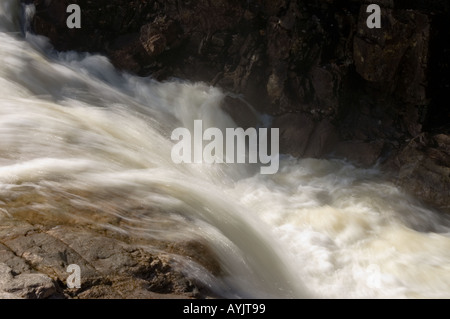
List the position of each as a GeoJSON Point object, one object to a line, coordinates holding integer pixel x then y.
{"type": "Point", "coordinates": [34, 261]}
{"type": "Point", "coordinates": [295, 133]}
{"type": "Point", "coordinates": [424, 169]}
{"type": "Point", "coordinates": [29, 286]}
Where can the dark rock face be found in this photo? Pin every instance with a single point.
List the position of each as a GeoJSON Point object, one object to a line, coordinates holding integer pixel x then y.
{"type": "Point", "coordinates": [334, 86]}
{"type": "Point", "coordinates": [424, 169]}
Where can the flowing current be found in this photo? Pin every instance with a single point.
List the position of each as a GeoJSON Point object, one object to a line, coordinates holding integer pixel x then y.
{"type": "Point", "coordinates": [79, 138]}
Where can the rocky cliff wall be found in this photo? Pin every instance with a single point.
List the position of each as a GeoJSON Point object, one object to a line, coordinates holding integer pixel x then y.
{"type": "Point", "coordinates": [334, 86]}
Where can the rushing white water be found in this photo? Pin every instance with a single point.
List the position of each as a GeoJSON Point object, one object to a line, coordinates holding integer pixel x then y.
{"type": "Point", "coordinates": [73, 128]}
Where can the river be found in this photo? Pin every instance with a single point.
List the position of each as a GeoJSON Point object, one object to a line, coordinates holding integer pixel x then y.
{"type": "Point", "coordinates": [73, 127]}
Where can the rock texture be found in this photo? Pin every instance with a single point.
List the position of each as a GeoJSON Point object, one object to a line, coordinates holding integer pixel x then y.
{"type": "Point", "coordinates": [424, 169]}
{"type": "Point", "coordinates": [34, 260]}
{"type": "Point", "coordinates": [29, 286]}
{"type": "Point", "coordinates": [334, 86]}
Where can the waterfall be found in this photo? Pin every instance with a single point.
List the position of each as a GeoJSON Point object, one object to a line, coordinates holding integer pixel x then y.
{"type": "Point", "coordinates": [86, 137]}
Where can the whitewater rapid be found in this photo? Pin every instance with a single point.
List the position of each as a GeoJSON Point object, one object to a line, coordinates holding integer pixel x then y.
{"type": "Point", "coordinates": [73, 127]}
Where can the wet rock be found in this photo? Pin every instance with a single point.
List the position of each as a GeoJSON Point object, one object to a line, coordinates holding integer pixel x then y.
{"type": "Point", "coordinates": [8, 258]}
{"type": "Point", "coordinates": [323, 141]}
{"type": "Point", "coordinates": [158, 36]}
{"type": "Point", "coordinates": [241, 112]}
{"type": "Point", "coordinates": [295, 133]}
{"type": "Point", "coordinates": [442, 142]}
{"type": "Point", "coordinates": [424, 169]}
{"type": "Point", "coordinates": [34, 261]}
{"type": "Point", "coordinates": [362, 153]}
{"type": "Point", "coordinates": [301, 136]}
{"type": "Point", "coordinates": [29, 286]}
{"type": "Point", "coordinates": [285, 57]}
{"type": "Point", "coordinates": [314, 58]}
{"type": "Point", "coordinates": [325, 87]}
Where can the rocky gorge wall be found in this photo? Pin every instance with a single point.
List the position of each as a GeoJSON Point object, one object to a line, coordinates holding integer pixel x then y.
{"type": "Point", "coordinates": [333, 86]}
